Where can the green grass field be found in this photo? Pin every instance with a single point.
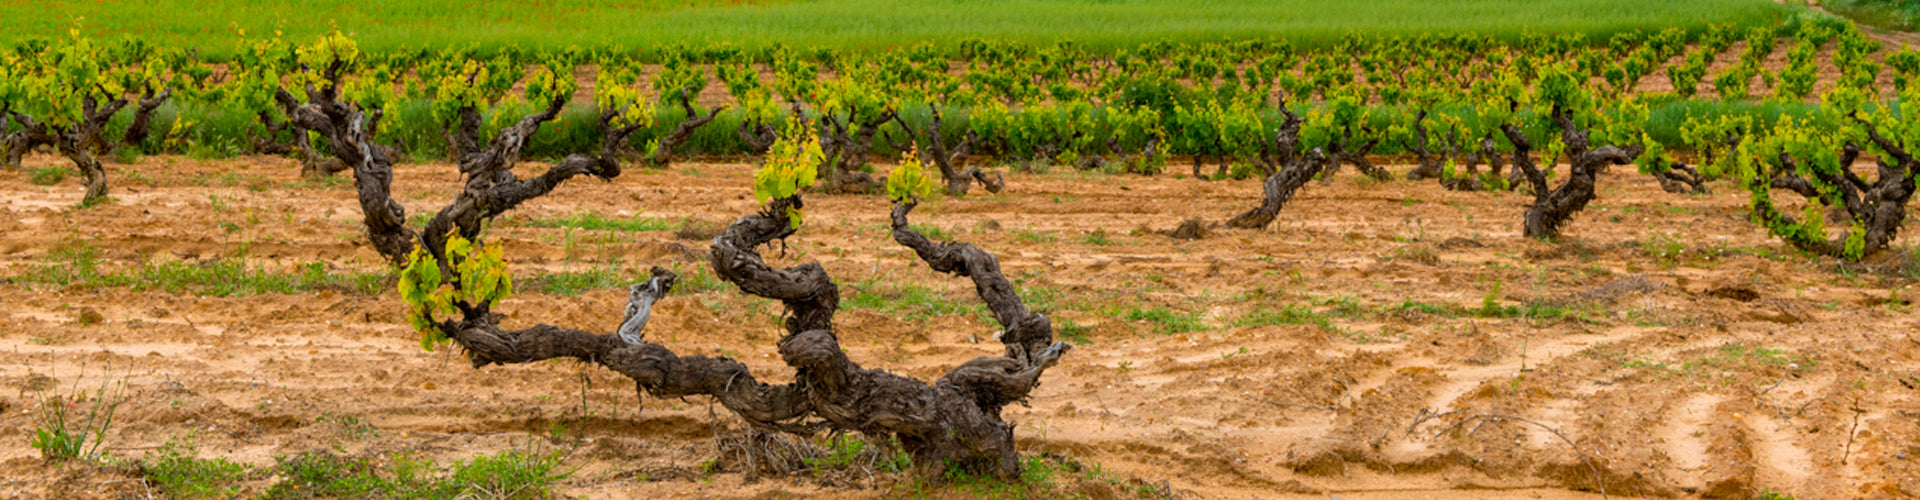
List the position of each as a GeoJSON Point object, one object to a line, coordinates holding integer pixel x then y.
{"type": "Point", "coordinates": [393, 24]}
{"type": "Point", "coordinates": [1901, 15]}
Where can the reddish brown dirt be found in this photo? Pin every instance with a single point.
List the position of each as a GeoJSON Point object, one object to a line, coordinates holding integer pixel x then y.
{"type": "Point", "coordinates": [1726, 367]}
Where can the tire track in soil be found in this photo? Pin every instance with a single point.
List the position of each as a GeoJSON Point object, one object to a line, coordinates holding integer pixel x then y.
{"type": "Point", "coordinates": [1782, 465]}
{"type": "Point", "coordinates": [1462, 381]}
{"type": "Point", "coordinates": [1684, 439]}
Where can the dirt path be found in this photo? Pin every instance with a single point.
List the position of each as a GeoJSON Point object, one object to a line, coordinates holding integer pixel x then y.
{"type": "Point", "coordinates": [1349, 350]}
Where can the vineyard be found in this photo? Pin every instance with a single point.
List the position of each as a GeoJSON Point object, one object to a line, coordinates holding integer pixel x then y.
{"type": "Point", "coordinates": [1662, 262]}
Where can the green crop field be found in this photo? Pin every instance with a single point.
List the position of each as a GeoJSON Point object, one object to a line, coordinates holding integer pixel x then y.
{"type": "Point", "coordinates": [395, 24]}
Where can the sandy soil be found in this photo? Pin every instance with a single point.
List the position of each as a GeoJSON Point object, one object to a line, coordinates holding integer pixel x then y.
{"type": "Point", "coordinates": [1701, 359]}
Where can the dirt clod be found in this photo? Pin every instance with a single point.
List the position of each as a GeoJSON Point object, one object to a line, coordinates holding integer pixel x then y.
{"type": "Point", "coordinates": [698, 229]}
{"type": "Point", "coordinates": [1742, 293]}
{"type": "Point", "coordinates": [1191, 229]}
{"type": "Point", "coordinates": [87, 316]}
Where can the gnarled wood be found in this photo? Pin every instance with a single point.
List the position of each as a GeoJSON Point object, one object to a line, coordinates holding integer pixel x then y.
{"type": "Point", "coordinates": [138, 130]}
{"type": "Point", "coordinates": [1278, 188]}
{"type": "Point", "coordinates": [1682, 179]}
{"type": "Point", "coordinates": [759, 137]}
{"type": "Point", "coordinates": [1026, 332]}
{"type": "Point", "coordinates": [1879, 208]}
{"type": "Point", "coordinates": [1551, 208]}
{"type": "Point", "coordinates": [1469, 178]}
{"type": "Point", "coordinates": [654, 369]}
{"type": "Point", "coordinates": [76, 141]}
{"type": "Point", "coordinates": [953, 422]}
{"type": "Point", "coordinates": [663, 152]}
{"type": "Point", "coordinates": [16, 145]}
{"type": "Point", "coordinates": [1432, 161]}
{"type": "Point", "coordinates": [1291, 171]}
{"type": "Point", "coordinates": [845, 146]}
{"type": "Point", "coordinates": [809, 294]}
{"type": "Point", "coordinates": [1351, 151]}
{"type": "Point", "coordinates": [951, 161]}
{"type": "Point", "coordinates": [345, 128]}
{"type": "Point", "coordinates": [269, 142]}
{"type": "Point", "coordinates": [491, 186]}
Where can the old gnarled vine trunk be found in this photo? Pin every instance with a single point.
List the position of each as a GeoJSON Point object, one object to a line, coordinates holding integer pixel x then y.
{"type": "Point", "coordinates": [951, 161]}
{"type": "Point", "coordinates": [1552, 207]}
{"type": "Point", "coordinates": [1291, 171]}
{"type": "Point", "coordinates": [663, 152]}
{"type": "Point", "coordinates": [952, 422]}
{"type": "Point", "coordinates": [78, 142]}
{"type": "Point", "coordinates": [1878, 208]}
{"type": "Point", "coordinates": [1431, 159]}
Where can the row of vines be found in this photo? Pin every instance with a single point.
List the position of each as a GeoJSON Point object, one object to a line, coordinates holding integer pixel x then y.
{"type": "Point", "coordinates": [1452, 103]}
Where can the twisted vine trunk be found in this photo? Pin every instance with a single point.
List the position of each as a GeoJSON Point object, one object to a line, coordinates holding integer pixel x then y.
{"type": "Point", "coordinates": [1682, 179]}
{"type": "Point", "coordinates": [759, 137]}
{"type": "Point", "coordinates": [346, 129]}
{"type": "Point", "coordinates": [1470, 180]}
{"type": "Point", "coordinates": [141, 127]}
{"type": "Point", "coordinates": [1290, 172]}
{"type": "Point", "coordinates": [463, 136]}
{"type": "Point", "coordinates": [313, 165]}
{"type": "Point", "coordinates": [1879, 208]}
{"type": "Point", "coordinates": [491, 186]}
{"type": "Point", "coordinates": [1347, 150]}
{"type": "Point", "coordinates": [964, 428]}
{"type": "Point", "coordinates": [269, 144]}
{"type": "Point", "coordinates": [952, 162]}
{"type": "Point", "coordinates": [1357, 157]}
{"type": "Point", "coordinates": [846, 147]}
{"type": "Point", "coordinates": [953, 422]}
{"type": "Point", "coordinates": [6, 137]}
{"type": "Point", "coordinates": [663, 153]}
{"type": "Point", "coordinates": [15, 146]}
{"type": "Point", "coordinates": [77, 142]}
{"type": "Point", "coordinates": [1884, 202]}
{"type": "Point", "coordinates": [861, 142]}
{"type": "Point", "coordinates": [1432, 162]}
{"type": "Point", "coordinates": [89, 166]}
{"type": "Point", "coordinates": [1279, 188]}
{"type": "Point", "coordinates": [1552, 208]}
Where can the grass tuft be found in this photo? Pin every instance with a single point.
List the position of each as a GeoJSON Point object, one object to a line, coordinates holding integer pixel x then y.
{"type": "Point", "coordinates": [47, 176]}
{"type": "Point", "coordinates": [180, 472]}
{"type": "Point", "coordinates": [79, 265]}
{"type": "Point", "coordinates": [1290, 314]}
{"type": "Point", "coordinates": [909, 301]}
{"type": "Point", "coordinates": [589, 220]}
{"type": "Point", "coordinates": [62, 432]}
{"type": "Point", "coordinates": [1167, 321]}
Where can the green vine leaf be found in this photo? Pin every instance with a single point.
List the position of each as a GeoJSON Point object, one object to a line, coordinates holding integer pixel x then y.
{"type": "Point", "coordinates": [909, 180]}
{"type": "Point", "coordinates": [791, 165]}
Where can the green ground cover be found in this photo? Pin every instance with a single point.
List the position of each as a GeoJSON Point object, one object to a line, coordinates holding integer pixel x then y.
{"type": "Point", "coordinates": [406, 24]}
